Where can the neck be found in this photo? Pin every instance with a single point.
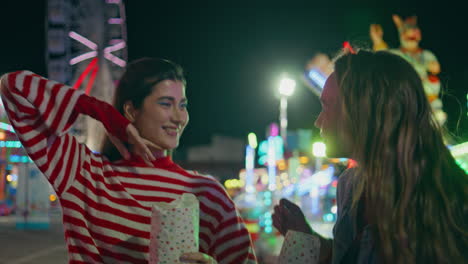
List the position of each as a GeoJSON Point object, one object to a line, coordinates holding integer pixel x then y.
{"type": "Point", "coordinates": [157, 153]}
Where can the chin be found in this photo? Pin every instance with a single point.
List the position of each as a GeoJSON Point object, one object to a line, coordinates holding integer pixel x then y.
{"type": "Point", "coordinates": [169, 145]}
{"type": "Point", "coordinates": [333, 152]}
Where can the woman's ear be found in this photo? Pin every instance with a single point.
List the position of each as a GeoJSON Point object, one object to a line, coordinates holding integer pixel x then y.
{"type": "Point", "coordinates": [129, 111]}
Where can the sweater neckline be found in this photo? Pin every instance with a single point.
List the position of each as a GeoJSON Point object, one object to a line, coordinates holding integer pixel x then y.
{"type": "Point", "coordinates": [161, 162]}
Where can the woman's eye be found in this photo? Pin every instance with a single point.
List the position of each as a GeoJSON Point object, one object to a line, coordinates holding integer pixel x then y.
{"type": "Point", "coordinates": [184, 105]}
{"type": "Point", "coordinates": [164, 104]}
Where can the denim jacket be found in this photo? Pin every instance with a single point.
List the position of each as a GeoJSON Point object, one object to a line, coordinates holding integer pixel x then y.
{"type": "Point", "coordinates": [344, 231]}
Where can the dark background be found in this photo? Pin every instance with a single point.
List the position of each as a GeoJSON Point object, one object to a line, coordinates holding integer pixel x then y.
{"type": "Point", "coordinates": [233, 54]}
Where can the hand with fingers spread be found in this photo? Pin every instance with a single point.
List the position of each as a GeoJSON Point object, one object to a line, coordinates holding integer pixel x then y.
{"type": "Point", "coordinates": [198, 258]}
{"type": "Point", "coordinates": [288, 216]}
{"type": "Point", "coordinates": [141, 146]}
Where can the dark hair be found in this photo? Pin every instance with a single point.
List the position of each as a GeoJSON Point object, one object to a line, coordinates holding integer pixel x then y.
{"type": "Point", "coordinates": [136, 84]}
{"type": "Point", "coordinates": [415, 193]}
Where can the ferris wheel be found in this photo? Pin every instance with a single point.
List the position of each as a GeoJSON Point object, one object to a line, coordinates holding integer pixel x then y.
{"type": "Point", "coordinates": [87, 49]}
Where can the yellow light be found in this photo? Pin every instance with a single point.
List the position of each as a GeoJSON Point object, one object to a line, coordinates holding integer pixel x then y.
{"type": "Point", "coordinates": [9, 178]}
{"type": "Point", "coordinates": [52, 198]}
{"type": "Point", "coordinates": [227, 184]}
{"type": "Point", "coordinates": [303, 159]}
{"type": "Point", "coordinates": [252, 227]}
{"type": "Point", "coordinates": [252, 140]}
{"type": "Point", "coordinates": [264, 179]}
{"type": "Point", "coordinates": [281, 165]}
{"type": "Point", "coordinates": [2, 135]}
{"type": "Point", "coordinates": [233, 183]}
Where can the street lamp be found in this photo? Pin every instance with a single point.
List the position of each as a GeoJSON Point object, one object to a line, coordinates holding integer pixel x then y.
{"type": "Point", "coordinates": [286, 89]}
{"type": "Point", "coordinates": [319, 151]}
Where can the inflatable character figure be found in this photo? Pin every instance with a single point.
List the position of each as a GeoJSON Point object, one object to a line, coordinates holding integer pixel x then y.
{"type": "Point", "coordinates": [424, 61]}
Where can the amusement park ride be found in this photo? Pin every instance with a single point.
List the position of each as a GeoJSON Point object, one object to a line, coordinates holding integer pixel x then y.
{"type": "Point", "coordinates": [87, 49]}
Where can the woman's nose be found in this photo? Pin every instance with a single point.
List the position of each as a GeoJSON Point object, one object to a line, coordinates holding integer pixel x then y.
{"type": "Point", "coordinates": [178, 115]}
{"type": "Point", "coordinates": [318, 121]}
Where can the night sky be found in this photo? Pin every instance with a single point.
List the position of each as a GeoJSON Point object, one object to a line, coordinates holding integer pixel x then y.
{"type": "Point", "coordinates": [233, 54]}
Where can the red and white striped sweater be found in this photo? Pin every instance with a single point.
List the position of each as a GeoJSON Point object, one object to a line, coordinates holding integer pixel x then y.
{"type": "Point", "coordinates": [107, 206]}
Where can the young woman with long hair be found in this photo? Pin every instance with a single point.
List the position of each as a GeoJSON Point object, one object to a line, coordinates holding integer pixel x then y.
{"type": "Point", "coordinates": [406, 201]}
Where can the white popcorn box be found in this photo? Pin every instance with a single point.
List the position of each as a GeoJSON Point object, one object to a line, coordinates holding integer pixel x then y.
{"type": "Point", "coordinates": [174, 229]}
{"type": "Point", "coordinates": [299, 248]}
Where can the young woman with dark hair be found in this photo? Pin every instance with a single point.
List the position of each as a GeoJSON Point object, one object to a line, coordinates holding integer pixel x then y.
{"type": "Point", "coordinates": [107, 198]}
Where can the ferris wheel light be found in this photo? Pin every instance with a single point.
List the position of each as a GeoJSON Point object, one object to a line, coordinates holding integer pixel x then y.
{"type": "Point", "coordinates": [115, 41]}
{"type": "Point", "coordinates": [88, 43]}
{"type": "Point", "coordinates": [115, 59]}
{"type": "Point", "coordinates": [115, 47]}
{"type": "Point", "coordinates": [115, 21]}
{"type": "Point", "coordinates": [82, 57]}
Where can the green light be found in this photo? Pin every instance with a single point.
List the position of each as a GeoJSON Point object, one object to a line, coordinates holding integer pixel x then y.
{"type": "Point", "coordinates": [328, 217]}
{"type": "Point", "coordinates": [10, 144]}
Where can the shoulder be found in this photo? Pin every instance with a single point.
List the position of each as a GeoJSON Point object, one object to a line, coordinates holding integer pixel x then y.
{"type": "Point", "coordinates": [205, 178]}
{"type": "Point", "coordinates": [346, 177]}
{"type": "Point", "coordinates": [209, 187]}
{"type": "Point", "coordinates": [345, 183]}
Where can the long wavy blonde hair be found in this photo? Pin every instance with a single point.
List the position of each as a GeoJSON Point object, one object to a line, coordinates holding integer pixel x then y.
{"type": "Point", "coordinates": [415, 193]}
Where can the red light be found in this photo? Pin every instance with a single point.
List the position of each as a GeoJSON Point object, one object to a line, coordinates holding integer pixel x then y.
{"type": "Point", "coordinates": [348, 47]}
{"type": "Point", "coordinates": [352, 163]}
{"type": "Point", "coordinates": [334, 183]}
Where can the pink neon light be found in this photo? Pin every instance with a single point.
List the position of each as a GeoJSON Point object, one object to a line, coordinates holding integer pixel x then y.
{"type": "Point", "coordinates": [88, 43]}
{"type": "Point", "coordinates": [115, 47]}
{"type": "Point", "coordinates": [274, 130]}
{"type": "Point", "coordinates": [115, 59]}
{"type": "Point", "coordinates": [113, 1]}
{"type": "Point", "coordinates": [83, 57]}
{"type": "Point", "coordinates": [115, 21]}
{"type": "Point", "coordinates": [115, 41]}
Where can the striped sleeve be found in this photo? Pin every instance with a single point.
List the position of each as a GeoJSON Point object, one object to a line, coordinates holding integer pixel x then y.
{"type": "Point", "coordinates": [41, 111]}
{"type": "Point", "coordinates": [232, 240]}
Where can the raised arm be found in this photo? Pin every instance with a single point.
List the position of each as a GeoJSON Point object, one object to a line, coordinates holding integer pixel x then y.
{"type": "Point", "coordinates": [41, 112]}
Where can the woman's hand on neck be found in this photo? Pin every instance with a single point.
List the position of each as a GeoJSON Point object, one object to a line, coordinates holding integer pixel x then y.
{"type": "Point", "coordinates": [159, 153]}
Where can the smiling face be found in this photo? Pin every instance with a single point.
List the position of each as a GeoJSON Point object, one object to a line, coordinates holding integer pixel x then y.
{"type": "Point", "coordinates": [330, 120]}
{"type": "Point", "coordinates": [163, 114]}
